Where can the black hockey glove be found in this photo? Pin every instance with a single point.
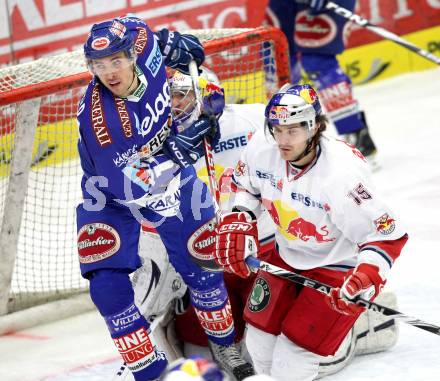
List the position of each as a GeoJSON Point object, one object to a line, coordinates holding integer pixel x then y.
{"type": "Point", "coordinates": [180, 49]}
{"type": "Point", "coordinates": [186, 147]}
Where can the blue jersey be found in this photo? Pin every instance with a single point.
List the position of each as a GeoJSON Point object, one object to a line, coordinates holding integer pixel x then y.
{"type": "Point", "coordinates": [306, 33]}
{"type": "Point", "coordinates": [120, 148]}
{"type": "Point", "coordinates": [118, 136]}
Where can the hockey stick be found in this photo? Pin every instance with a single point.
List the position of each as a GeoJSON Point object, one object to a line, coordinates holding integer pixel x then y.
{"type": "Point", "coordinates": [325, 289]}
{"type": "Point", "coordinates": [209, 157]}
{"type": "Point", "coordinates": [359, 20]}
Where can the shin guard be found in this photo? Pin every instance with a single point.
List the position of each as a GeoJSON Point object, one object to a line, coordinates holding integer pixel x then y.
{"type": "Point", "coordinates": [214, 312]}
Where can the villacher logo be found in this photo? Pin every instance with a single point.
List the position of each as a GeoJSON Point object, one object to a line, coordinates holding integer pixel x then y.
{"type": "Point", "coordinates": [96, 242]}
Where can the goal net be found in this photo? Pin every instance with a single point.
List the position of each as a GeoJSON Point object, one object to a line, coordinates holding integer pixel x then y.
{"type": "Point", "coordinates": [39, 166]}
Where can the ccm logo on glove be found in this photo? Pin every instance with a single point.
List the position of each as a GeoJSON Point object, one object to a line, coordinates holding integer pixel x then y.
{"type": "Point", "coordinates": [235, 226]}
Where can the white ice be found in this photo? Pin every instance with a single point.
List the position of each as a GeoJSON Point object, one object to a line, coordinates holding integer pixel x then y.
{"type": "Point", "coordinates": [404, 121]}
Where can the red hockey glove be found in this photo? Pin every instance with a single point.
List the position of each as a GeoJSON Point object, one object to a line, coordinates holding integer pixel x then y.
{"type": "Point", "coordinates": [365, 283]}
{"type": "Point", "coordinates": [237, 238]}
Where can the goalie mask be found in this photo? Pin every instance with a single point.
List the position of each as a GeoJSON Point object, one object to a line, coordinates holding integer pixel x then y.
{"type": "Point", "coordinates": [185, 107]}
{"type": "Point", "coordinates": [105, 39]}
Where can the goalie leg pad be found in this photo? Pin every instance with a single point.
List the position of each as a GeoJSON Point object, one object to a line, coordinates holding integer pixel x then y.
{"type": "Point", "coordinates": [156, 283]}
{"type": "Point", "coordinates": [341, 358]}
{"type": "Point", "coordinates": [375, 332]}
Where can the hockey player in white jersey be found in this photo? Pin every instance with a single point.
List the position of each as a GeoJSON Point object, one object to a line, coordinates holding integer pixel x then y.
{"type": "Point", "coordinates": [332, 226]}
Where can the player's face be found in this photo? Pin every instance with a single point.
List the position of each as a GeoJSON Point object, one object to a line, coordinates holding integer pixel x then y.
{"type": "Point", "coordinates": [115, 72]}
{"type": "Point", "coordinates": [183, 103]}
{"type": "Point", "coordinates": [291, 139]}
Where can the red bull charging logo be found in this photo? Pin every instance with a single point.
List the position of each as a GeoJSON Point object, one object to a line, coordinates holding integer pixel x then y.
{"type": "Point", "coordinates": [385, 224]}
{"type": "Point", "coordinates": [292, 226]}
{"type": "Point", "coordinates": [305, 230]}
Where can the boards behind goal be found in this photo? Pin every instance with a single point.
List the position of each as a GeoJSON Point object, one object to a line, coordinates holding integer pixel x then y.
{"type": "Point", "coordinates": [39, 166]}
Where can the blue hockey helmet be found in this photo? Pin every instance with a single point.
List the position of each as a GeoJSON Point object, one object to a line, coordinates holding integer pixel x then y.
{"type": "Point", "coordinates": [107, 38]}
{"type": "Point", "coordinates": [293, 104]}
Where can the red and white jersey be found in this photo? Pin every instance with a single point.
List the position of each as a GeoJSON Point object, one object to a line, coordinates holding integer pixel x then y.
{"type": "Point", "coordinates": [328, 214]}
{"type": "Point", "coordinates": [238, 123]}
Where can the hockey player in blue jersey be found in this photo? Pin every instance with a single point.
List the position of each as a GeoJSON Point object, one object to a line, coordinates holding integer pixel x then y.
{"type": "Point", "coordinates": [315, 37]}
{"type": "Point", "coordinates": [138, 167]}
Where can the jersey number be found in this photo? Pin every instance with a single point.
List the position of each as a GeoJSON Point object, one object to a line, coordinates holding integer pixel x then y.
{"type": "Point", "coordinates": [359, 193]}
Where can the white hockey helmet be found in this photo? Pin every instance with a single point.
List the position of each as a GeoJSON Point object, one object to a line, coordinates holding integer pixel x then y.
{"type": "Point", "coordinates": [294, 105]}
{"type": "Point", "coordinates": [185, 107]}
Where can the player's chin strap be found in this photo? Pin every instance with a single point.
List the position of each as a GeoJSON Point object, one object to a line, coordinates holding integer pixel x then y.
{"type": "Point", "coordinates": [325, 289]}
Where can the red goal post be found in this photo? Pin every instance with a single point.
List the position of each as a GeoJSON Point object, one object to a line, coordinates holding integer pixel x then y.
{"type": "Point", "coordinates": [39, 166]}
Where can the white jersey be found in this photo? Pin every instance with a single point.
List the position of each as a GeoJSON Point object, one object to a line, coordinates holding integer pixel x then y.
{"type": "Point", "coordinates": [328, 214]}
{"type": "Point", "coordinates": [238, 123]}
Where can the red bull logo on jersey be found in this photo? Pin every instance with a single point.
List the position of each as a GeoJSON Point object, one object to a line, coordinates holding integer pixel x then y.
{"type": "Point", "coordinates": [292, 226]}
{"type": "Point", "coordinates": [385, 224]}
{"type": "Point", "coordinates": [355, 151]}
{"type": "Point", "coordinates": [305, 230]}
